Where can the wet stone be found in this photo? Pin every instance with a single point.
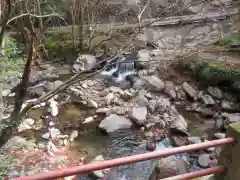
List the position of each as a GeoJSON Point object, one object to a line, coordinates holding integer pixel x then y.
{"type": "Point", "coordinates": [204, 160]}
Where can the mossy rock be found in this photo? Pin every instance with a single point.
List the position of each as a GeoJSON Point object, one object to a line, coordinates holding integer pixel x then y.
{"type": "Point", "coordinates": [229, 40]}
{"type": "Point", "coordinates": [215, 73]}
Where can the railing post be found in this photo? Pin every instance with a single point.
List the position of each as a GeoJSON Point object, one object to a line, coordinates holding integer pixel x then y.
{"type": "Point", "coordinates": [230, 156]}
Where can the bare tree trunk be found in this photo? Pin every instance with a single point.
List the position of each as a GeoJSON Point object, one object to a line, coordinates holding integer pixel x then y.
{"type": "Point", "coordinates": [40, 19]}
{"type": "Point", "coordinates": [15, 118]}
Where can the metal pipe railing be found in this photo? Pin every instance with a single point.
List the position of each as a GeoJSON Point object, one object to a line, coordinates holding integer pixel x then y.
{"type": "Point", "coordinates": [125, 160]}
{"type": "Point", "coordinates": [191, 175]}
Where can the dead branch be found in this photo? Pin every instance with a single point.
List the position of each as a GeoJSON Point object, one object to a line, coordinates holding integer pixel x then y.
{"type": "Point", "coordinates": [34, 15]}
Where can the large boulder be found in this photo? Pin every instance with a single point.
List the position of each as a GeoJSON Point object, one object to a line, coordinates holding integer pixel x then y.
{"type": "Point", "coordinates": [215, 92]}
{"type": "Point", "coordinates": [154, 83]}
{"type": "Point", "coordinates": [123, 144]}
{"type": "Point", "coordinates": [179, 123]}
{"type": "Point", "coordinates": [115, 122]}
{"type": "Point", "coordinates": [143, 57]}
{"type": "Point", "coordinates": [191, 92]}
{"type": "Point", "coordinates": [139, 114]}
{"type": "Point", "coordinates": [84, 62]}
{"type": "Point", "coordinates": [171, 165]}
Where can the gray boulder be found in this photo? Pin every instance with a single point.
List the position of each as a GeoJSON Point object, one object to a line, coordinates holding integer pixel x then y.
{"type": "Point", "coordinates": [192, 93]}
{"type": "Point", "coordinates": [115, 122]}
{"type": "Point", "coordinates": [154, 83]}
{"type": "Point", "coordinates": [215, 92]}
{"type": "Point", "coordinates": [123, 144]}
{"type": "Point", "coordinates": [84, 62]}
{"type": "Point", "coordinates": [139, 114]}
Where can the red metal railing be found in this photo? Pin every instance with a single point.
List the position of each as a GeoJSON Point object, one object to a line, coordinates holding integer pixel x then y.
{"type": "Point", "coordinates": [136, 158]}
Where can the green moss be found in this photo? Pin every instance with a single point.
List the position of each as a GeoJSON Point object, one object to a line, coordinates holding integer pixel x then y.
{"type": "Point", "coordinates": [14, 48]}
{"type": "Point", "coordinates": [58, 41]}
{"type": "Point", "coordinates": [215, 73]}
{"type": "Point", "coordinates": [228, 40]}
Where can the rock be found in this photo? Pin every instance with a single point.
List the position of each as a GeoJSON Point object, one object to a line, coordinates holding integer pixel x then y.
{"type": "Point", "coordinates": [139, 84]}
{"type": "Point", "coordinates": [219, 135]}
{"type": "Point", "coordinates": [36, 91]}
{"type": "Point", "coordinates": [179, 123]}
{"type": "Point", "coordinates": [205, 112]}
{"type": "Point", "coordinates": [103, 110]}
{"type": "Point", "coordinates": [115, 122]}
{"type": "Point", "coordinates": [46, 136]}
{"type": "Point", "coordinates": [139, 115]}
{"type": "Point", "coordinates": [23, 127]}
{"type": "Point", "coordinates": [155, 120]}
{"type": "Point", "coordinates": [152, 105]}
{"type": "Point", "coordinates": [172, 94]}
{"type": "Point", "coordinates": [126, 143]}
{"type": "Point", "coordinates": [169, 85]}
{"type": "Point", "coordinates": [230, 97]}
{"type": "Point", "coordinates": [26, 125]}
{"type": "Point", "coordinates": [17, 142]}
{"type": "Point", "coordinates": [88, 120]}
{"type": "Point", "coordinates": [179, 141]}
{"type": "Point", "coordinates": [13, 174]}
{"type": "Point", "coordinates": [230, 118]}
{"type": "Point", "coordinates": [28, 121]}
{"type": "Point", "coordinates": [70, 177]}
{"type": "Point", "coordinates": [171, 166]}
{"type": "Point", "coordinates": [141, 100]}
{"type": "Point", "coordinates": [41, 146]}
{"type": "Point", "coordinates": [73, 136]}
{"type": "Point", "coordinates": [53, 107]}
{"type": "Point", "coordinates": [143, 57]}
{"type": "Point", "coordinates": [163, 104]}
{"type": "Point", "coordinates": [114, 89]}
{"type": "Point", "coordinates": [219, 124]}
{"type": "Point", "coordinates": [52, 85]}
{"type": "Point", "coordinates": [204, 160]}
{"type": "Point", "coordinates": [192, 93]}
{"type": "Point", "coordinates": [84, 62]}
{"type": "Point", "coordinates": [92, 103]}
{"type": "Point", "coordinates": [154, 83]}
{"type": "Point", "coordinates": [6, 92]}
{"type": "Point", "coordinates": [207, 99]}
{"type": "Point", "coordinates": [109, 98]}
{"type": "Point", "coordinates": [99, 173]}
{"type": "Point", "coordinates": [215, 92]}
{"type": "Point", "coordinates": [227, 106]}
{"type": "Point", "coordinates": [13, 81]}
{"type": "Point", "coordinates": [126, 95]}
{"type": "Point", "coordinates": [194, 139]}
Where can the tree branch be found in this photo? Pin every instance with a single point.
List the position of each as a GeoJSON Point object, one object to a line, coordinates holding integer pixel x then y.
{"type": "Point", "coordinates": [33, 15]}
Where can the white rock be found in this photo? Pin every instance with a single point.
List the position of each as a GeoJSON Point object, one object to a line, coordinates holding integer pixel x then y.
{"type": "Point", "coordinates": [53, 107]}
{"type": "Point", "coordinates": [109, 98]}
{"type": "Point", "coordinates": [88, 120]}
{"type": "Point", "coordinates": [114, 89]}
{"type": "Point", "coordinates": [41, 146]}
{"type": "Point", "coordinates": [115, 122]}
{"type": "Point", "coordinates": [92, 103]}
{"type": "Point", "coordinates": [73, 136]}
{"type": "Point", "coordinates": [46, 136]}
{"type": "Point", "coordinates": [28, 121]}
{"type": "Point", "coordinates": [6, 92]}
{"type": "Point", "coordinates": [100, 173]}
{"type": "Point", "coordinates": [103, 110]}
{"type": "Point", "coordinates": [23, 127]}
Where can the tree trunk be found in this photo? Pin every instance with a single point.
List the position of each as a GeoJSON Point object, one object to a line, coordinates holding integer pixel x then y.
{"type": "Point", "coordinates": [8, 126]}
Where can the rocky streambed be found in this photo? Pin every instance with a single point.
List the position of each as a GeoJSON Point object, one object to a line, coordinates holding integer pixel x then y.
{"type": "Point", "coordinates": [99, 121]}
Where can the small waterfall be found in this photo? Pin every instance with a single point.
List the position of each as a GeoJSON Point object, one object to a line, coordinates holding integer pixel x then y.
{"type": "Point", "coordinates": [119, 72]}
